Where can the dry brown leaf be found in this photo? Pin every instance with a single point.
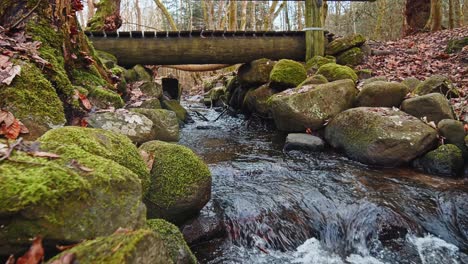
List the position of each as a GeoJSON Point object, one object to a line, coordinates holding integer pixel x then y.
{"type": "Point", "coordinates": [41, 154]}
{"type": "Point", "coordinates": [35, 253]}
{"type": "Point", "coordinates": [78, 166]}
{"type": "Point", "coordinates": [148, 158]}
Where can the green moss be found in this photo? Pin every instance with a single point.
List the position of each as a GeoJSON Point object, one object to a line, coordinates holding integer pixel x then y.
{"type": "Point", "coordinates": [314, 79]}
{"type": "Point", "coordinates": [353, 56]}
{"type": "Point", "coordinates": [255, 73]}
{"type": "Point", "coordinates": [87, 79]}
{"type": "Point", "coordinates": [341, 44]}
{"type": "Point", "coordinates": [287, 74]}
{"type": "Point", "coordinates": [32, 99]}
{"type": "Point", "coordinates": [174, 105]}
{"type": "Point", "coordinates": [334, 72]}
{"type": "Point", "coordinates": [173, 239]}
{"type": "Point", "coordinates": [175, 171]}
{"type": "Point", "coordinates": [447, 160]}
{"type": "Point", "coordinates": [100, 142]}
{"type": "Point", "coordinates": [121, 248]}
{"type": "Point", "coordinates": [103, 97]}
{"type": "Point", "coordinates": [437, 84]}
{"type": "Point", "coordinates": [317, 61]}
{"type": "Point", "coordinates": [456, 45]}
{"type": "Point", "coordinates": [107, 59]}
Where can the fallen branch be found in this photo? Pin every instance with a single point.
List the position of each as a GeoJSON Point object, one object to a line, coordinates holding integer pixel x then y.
{"type": "Point", "coordinates": [11, 148]}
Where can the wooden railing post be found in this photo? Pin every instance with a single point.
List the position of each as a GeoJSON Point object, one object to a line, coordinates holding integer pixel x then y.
{"type": "Point", "coordinates": [315, 39]}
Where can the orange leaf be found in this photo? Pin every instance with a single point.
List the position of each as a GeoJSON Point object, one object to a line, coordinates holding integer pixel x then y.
{"type": "Point", "coordinates": [85, 101]}
{"type": "Point", "coordinates": [84, 123]}
{"type": "Point", "coordinates": [11, 132]}
{"type": "Point", "coordinates": [41, 154]}
{"type": "Point", "coordinates": [6, 117]}
{"type": "Point", "coordinates": [466, 128]}
{"type": "Point", "coordinates": [35, 253]}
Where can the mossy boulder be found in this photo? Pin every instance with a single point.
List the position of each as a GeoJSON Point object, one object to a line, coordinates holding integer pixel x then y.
{"type": "Point", "coordinates": [287, 74]}
{"type": "Point", "coordinates": [434, 107]}
{"type": "Point", "coordinates": [335, 72]}
{"type": "Point", "coordinates": [382, 94]}
{"type": "Point", "coordinates": [142, 246]}
{"type": "Point", "coordinates": [174, 241]}
{"type": "Point", "coordinates": [411, 83]}
{"type": "Point", "coordinates": [180, 182]}
{"type": "Point", "coordinates": [256, 100]}
{"type": "Point", "coordinates": [311, 106]}
{"type": "Point", "coordinates": [364, 74]}
{"type": "Point", "coordinates": [437, 84]}
{"type": "Point", "coordinates": [341, 44]}
{"type": "Point", "coordinates": [374, 79]}
{"type": "Point", "coordinates": [215, 97]}
{"type": "Point", "coordinates": [255, 73]}
{"type": "Point", "coordinates": [107, 59]}
{"type": "Point", "coordinates": [174, 106]}
{"type": "Point", "coordinates": [151, 89]}
{"type": "Point", "coordinates": [137, 73]}
{"type": "Point", "coordinates": [133, 125]}
{"type": "Point", "coordinates": [456, 45]}
{"type": "Point", "coordinates": [453, 132]}
{"type": "Point", "coordinates": [314, 79]}
{"type": "Point", "coordinates": [316, 62]}
{"type": "Point", "coordinates": [104, 98]}
{"type": "Point", "coordinates": [33, 100]}
{"type": "Point", "coordinates": [165, 123]}
{"type": "Point", "coordinates": [447, 160]}
{"type": "Point", "coordinates": [80, 195]}
{"type": "Point", "coordinates": [353, 56]}
{"type": "Point", "coordinates": [380, 136]}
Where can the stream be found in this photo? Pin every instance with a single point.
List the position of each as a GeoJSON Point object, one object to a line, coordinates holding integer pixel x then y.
{"type": "Point", "coordinates": [271, 207]}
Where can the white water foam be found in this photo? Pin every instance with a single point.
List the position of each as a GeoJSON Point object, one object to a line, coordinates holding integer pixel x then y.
{"type": "Point", "coordinates": [433, 250]}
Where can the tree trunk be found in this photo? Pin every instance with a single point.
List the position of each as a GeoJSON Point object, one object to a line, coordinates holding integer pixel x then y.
{"type": "Point", "coordinates": [107, 17]}
{"type": "Point", "coordinates": [138, 13]}
{"type": "Point", "coordinates": [378, 25]}
{"type": "Point", "coordinates": [91, 8]}
{"type": "Point", "coordinates": [417, 14]}
{"type": "Point", "coordinates": [457, 13]}
{"type": "Point", "coordinates": [166, 14]}
{"type": "Point", "coordinates": [253, 18]}
{"type": "Point", "coordinates": [315, 40]}
{"type": "Point", "coordinates": [324, 11]}
{"type": "Point", "coordinates": [435, 19]}
{"type": "Point", "coordinates": [243, 24]}
{"type": "Point", "coordinates": [300, 26]}
{"type": "Point", "coordinates": [233, 15]}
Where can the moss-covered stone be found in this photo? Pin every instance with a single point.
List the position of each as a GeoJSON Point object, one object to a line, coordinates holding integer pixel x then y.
{"type": "Point", "coordinates": [256, 101]}
{"type": "Point", "coordinates": [314, 79]}
{"type": "Point", "coordinates": [353, 56]}
{"type": "Point", "coordinates": [454, 133]}
{"type": "Point", "coordinates": [311, 106]}
{"type": "Point", "coordinates": [102, 143]}
{"type": "Point", "coordinates": [411, 83]}
{"type": "Point", "coordinates": [456, 45]}
{"type": "Point", "coordinates": [142, 73]}
{"type": "Point", "coordinates": [255, 73]}
{"type": "Point", "coordinates": [151, 104]}
{"type": "Point", "coordinates": [142, 246]}
{"type": "Point", "coordinates": [109, 60]}
{"type": "Point", "coordinates": [382, 94]}
{"type": "Point", "coordinates": [216, 96]}
{"type": "Point", "coordinates": [151, 89]}
{"type": "Point", "coordinates": [165, 123]}
{"type": "Point", "coordinates": [173, 240]}
{"type": "Point", "coordinates": [447, 160]}
{"type": "Point", "coordinates": [334, 72]}
{"type": "Point", "coordinates": [316, 62]}
{"type": "Point", "coordinates": [103, 98]}
{"type": "Point", "coordinates": [33, 100]}
{"type": "Point", "coordinates": [380, 136]}
{"type": "Point", "coordinates": [437, 84]}
{"type": "Point", "coordinates": [341, 44]}
{"type": "Point", "coordinates": [374, 79]}
{"type": "Point", "coordinates": [364, 74]}
{"type": "Point", "coordinates": [434, 107]}
{"type": "Point", "coordinates": [77, 196]}
{"type": "Point", "coordinates": [174, 106]}
{"type": "Point", "coordinates": [287, 74]}
{"type": "Point", "coordinates": [180, 182]}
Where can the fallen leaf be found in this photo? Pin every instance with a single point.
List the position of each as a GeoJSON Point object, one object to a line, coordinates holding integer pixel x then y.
{"type": "Point", "coordinates": [9, 74]}
{"type": "Point", "coordinates": [11, 260]}
{"type": "Point", "coordinates": [75, 164]}
{"type": "Point", "coordinates": [35, 253]}
{"type": "Point", "coordinates": [41, 154]}
{"type": "Point", "coordinates": [12, 131]}
{"type": "Point", "coordinates": [148, 158]}
{"type": "Point", "coordinates": [85, 101]}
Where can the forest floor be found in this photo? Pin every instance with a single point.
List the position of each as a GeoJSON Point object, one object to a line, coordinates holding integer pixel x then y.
{"type": "Point", "coordinates": [423, 55]}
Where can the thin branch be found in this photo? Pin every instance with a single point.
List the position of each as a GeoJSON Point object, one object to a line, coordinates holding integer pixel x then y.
{"type": "Point", "coordinates": [26, 16]}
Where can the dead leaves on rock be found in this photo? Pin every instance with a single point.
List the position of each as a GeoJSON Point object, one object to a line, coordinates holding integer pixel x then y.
{"type": "Point", "coordinates": [34, 255]}
{"type": "Point", "coordinates": [148, 158]}
{"type": "Point", "coordinates": [10, 127]}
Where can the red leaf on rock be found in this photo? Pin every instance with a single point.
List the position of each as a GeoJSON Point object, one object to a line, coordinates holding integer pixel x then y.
{"type": "Point", "coordinates": [12, 131]}
{"type": "Point", "coordinates": [35, 253]}
{"type": "Point", "coordinates": [85, 101]}
{"type": "Point", "coordinates": [83, 123]}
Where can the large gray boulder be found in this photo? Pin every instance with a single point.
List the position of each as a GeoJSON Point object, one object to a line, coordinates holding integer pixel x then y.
{"type": "Point", "coordinates": [447, 160]}
{"type": "Point", "coordinates": [165, 123]}
{"type": "Point", "coordinates": [311, 106]}
{"type": "Point", "coordinates": [380, 136]}
{"type": "Point", "coordinates": [136, 126]}
{"type": "Point", "coordinates": [382, 94]}
{"type": "Point", "coordinates": [434, 107]}
{"type": "Point", "coordinates": [302, 141]}
{"type": "Point", "coordinates": [256, 100]}
{"type": "Point", "coordinates": [255, 73]}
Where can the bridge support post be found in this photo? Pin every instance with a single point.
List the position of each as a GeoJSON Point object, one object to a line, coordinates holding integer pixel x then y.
{"type": "Point", "coordinates": [315, 39]}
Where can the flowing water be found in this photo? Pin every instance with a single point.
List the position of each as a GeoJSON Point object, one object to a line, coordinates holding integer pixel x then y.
{"type": "Point", "coordinates": [271, 207]}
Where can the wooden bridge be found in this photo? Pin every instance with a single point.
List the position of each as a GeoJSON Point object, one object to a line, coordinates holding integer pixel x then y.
{"type": "Point", "coordinates": [199, 47]}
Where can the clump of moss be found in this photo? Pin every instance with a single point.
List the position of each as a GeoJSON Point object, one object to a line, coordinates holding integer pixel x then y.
{"type": "Point", "coordinates": [456, 45]}
{"type": "Point", "coordinates": [335, 72]}
{"type": "Point", "coordinates": [173, 239]}
{"type": "Point", "coordinates": [287, 74]}
{"type": "Point", "coordinates": [100, 142]}
{"type": "Point", "coordinates": [107, 59]}
{"type": "Point", "coordinates": [317, 61]}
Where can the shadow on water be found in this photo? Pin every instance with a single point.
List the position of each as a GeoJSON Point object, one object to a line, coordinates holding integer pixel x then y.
{"type": "Point", "coordinates": [273, 207]}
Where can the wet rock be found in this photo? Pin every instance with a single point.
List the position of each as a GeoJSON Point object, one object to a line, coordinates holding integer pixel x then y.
{"type": "Point", "coordinates": [208, 225]}
{"type": "Point", "coordinates": [142, 246]}
{"type": "Point", "coordinates": [208, 128]}
{"type": "Point", "coordinates": [345, 43]}
{"type": "Point", "coordinates": [256, 100]}
{"type": "Point", "coordinates": [287, 74]}
{"type": "Point", "coordinates": [136, 126]}
{"type": "Point", "coordinates": [382, 94]}
{"type": "Point", "coordinates": [314, 79]}
{"type": "Point", "coordinates": [334, 72]}
{"type": "Point", "coordinates": [316, 62]}
{"type": "Point", "coordinates": [165, 123]}
{"type": "Point", "coordinates": [353, 56]}
{"type": "Point", "coordinates": [311, 106]}
{"type": "Point", "coordinates": [411, 83]}
{"type": "Point", "coordinates": [301, 141]}
{"type": "Point", "coordinates": [255, 73]}
{"type": "Point", "coordinates": [180, 182]}
{"type": "Point", "coordinates": [380, 136]}
{"type": "Point", "coordinates": [151, 89]}
{"type": "Point", "coordinates": [437, 84]}
{"type": "Point", "coordinates": [174, 106]}
{"type": "Point", "coordinates": [434, 107]}
{"type": "Point", "coordinates": [215, 97]}
{"type": "Point", "coordinates": [78, 196]}
{"type": "Point", "coordinates": [447, 160]}
{"type": "Point", "coordinates": [173, 240]}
